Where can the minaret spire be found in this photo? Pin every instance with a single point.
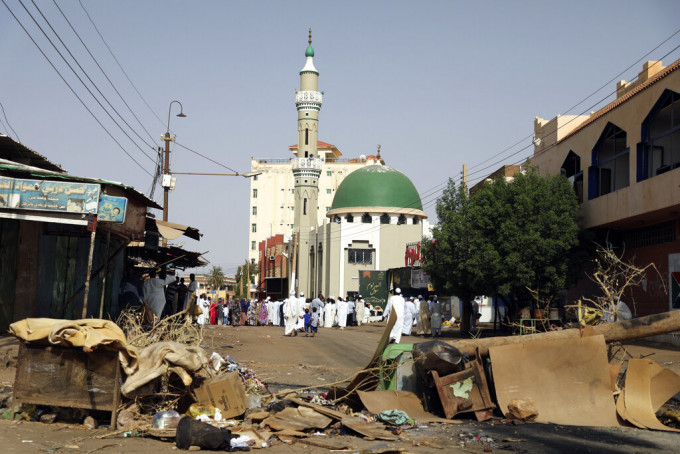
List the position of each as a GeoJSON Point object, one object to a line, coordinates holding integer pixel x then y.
{"type": "Point", "coordinates": [310, 36]}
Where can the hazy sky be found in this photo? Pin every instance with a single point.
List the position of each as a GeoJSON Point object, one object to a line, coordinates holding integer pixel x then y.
{"type": "Point", "coordinates": [436, 83]}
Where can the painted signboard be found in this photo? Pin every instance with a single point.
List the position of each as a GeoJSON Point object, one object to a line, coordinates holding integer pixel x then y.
{"type": "Point", "coordinates": [112, 209]}
{"type": "Point", "coordinates": [373, 287]}
{"type": "Point", "coordinates": [47, 195]}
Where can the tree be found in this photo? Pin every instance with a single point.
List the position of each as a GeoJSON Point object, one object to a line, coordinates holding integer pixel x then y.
{"type": "Point", "coordinates": [508, 237]}
{"type": "Point", "coordinates": [244, 278]}
{"type": "Point", "coordinates": [215, 277]}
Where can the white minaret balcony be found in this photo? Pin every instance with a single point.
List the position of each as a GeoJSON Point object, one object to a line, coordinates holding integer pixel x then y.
{"type": "Point", "coordinates": [310, 167]}
{"type": "Point", "coordinates": [308, 100]}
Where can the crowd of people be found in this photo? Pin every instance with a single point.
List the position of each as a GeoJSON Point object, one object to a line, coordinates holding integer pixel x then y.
{"type": "Point", "coordinates": [425, 315]}
{"type": "Point", "coordinates": [163, 296]}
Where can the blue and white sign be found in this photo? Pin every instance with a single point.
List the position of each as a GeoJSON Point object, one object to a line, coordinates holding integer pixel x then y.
{"type": "Point", "coordinates": [112, 209]}
{"type": "Point", "coordinates": [46, 195]}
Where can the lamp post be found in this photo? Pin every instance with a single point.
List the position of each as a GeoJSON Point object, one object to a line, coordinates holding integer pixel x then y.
{"type": "Point", "coordinates": [166, 182]}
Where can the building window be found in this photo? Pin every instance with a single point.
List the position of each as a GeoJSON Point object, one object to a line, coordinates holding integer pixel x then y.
{"type": "Point", "coordinates": [385, 218]}
{"type": "Point", "coordinates": [306, 138]}
{"type": "Point", "coordinates": [366, 218]}
{"type": "Point", "coordinates": [252, 262]}
{"type": "Point", "coordinates": [254, 193]}
{"type": "Point", "coordinates": [328, 209]}
{"type": "Point", "coordinates": [651, 235]}
{"type": "Point", "coordinates": [610, 170]}
{"type": "Point", "coordinates": [360, 256]}
{"type": "Point", "coordinates": [350, 218]}
{"type": "Point", "coordinates": [254, 210]}
{"type": "Point", "coordinates": [401, 220]}
{"type": "Point", "coordinates": [253, 228]}
{"type": "Point", "coordinates": [329, 191]}
{"type": "Point", "coordinates": [571, 168]}
{"type": "Point", "coordinates": [416, 220]}
{"type": "Point", "coordinates": [659, 151]}
{"type": "Point", "coordinates": [329, 173]}
{"type": "Point", "coordinates": [252, 245]}
{"type": "Point", "coordinates": [304, 206]}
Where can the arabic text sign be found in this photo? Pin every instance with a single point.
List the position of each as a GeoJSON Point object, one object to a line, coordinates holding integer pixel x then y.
{"type": "Point", "coordinates": [112, 209]}
{"type": "Point", "coordinates": [49, 195]}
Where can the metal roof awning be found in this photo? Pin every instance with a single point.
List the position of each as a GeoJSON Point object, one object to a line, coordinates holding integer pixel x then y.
{"type": "Point", "coordinates": [12, 150]}
{"type": "Point", "coordinates": [172, 231]}
{"type": "Point", "coordinates": [172, 256]}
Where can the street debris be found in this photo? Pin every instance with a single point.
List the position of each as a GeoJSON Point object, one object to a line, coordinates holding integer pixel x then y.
{"type": "Point", "coordinates": [185, 393]}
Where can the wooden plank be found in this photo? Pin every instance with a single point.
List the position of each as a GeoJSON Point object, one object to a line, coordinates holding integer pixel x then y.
{"type": "Point", "coordinates": [67, 377]}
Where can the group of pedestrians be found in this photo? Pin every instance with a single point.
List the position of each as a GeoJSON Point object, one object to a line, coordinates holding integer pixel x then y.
{"type": "Point", "coordinates": [425, 315]}
{"type": "Point", "coordinates": [159, 295]}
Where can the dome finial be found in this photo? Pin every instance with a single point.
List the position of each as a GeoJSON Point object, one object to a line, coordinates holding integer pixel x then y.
{"type": "Point", "coordinates": [310, 50]}
{"type": "Point", "coordinates": [378, 152]}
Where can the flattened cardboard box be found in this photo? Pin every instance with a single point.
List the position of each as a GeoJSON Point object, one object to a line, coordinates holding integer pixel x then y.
{"type": "Point", "coordinates": [225, 392]}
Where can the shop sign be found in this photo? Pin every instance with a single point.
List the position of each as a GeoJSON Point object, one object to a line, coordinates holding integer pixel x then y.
{"type": "Point", "coordinates": [47, 195]}
{"type": "Point", "coordinates": [112, 209]}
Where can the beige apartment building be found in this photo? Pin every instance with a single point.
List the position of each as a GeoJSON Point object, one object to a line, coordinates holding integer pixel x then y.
{"type": "Point", "coordinates": [272, 199]}
{"type": "Point", "coordinates": [624, 164]}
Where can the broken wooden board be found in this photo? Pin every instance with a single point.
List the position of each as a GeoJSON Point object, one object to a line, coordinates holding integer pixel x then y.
{"type": "Point", "coordinates": [568, 380]}
{"type": "Point", "coordinates": [379, 401]}
{"type": "Point", "coordinates": [301, 418]}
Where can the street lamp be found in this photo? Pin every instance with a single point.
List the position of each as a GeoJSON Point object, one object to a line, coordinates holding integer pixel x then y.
{"type": "Point", "coordinates": [167, 179]}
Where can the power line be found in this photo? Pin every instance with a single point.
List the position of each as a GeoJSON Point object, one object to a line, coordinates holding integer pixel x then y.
{"type": "Point", "coordinates": [205, 157]}
{"type": "Point", "coordinates": [8, 125]}
{"type": "Point", "coordinates": [86, 75]}
{"type": "Point", "coordinates": [106, 76]}
{"type": "Point", "coordinates": [71, 88]}
{"type": "Point", "coordinates": [118, 63]}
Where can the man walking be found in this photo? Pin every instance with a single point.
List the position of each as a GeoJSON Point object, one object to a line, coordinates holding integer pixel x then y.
{"type": "Point", "coordinates": [396, 304]}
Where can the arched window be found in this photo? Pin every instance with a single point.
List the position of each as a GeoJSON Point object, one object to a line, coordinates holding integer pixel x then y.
{"type": "Point", "coordinates": [401, 220]}
{"type": "Point", "coordinates": [366, 218]}
{"type": "Point", "coordinates": [659, 151]}
{"type": "Point", "coordinates": [385, 218]}
{"type": "Point", "coordinates": [571, 168]}
{"type": "Point", "coordinates": [350, 218]}
{"type": "Point", "coordinates": [416, 220]}
{"type": "Point", "coordinates": [610, 170]}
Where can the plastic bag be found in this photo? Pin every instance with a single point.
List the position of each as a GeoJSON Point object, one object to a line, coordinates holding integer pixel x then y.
{"type": "Point", "coordinates": [166, 420]}
{"type": "Point", "coordinates": [196, 410]}
{"type": "Point", "coordinates": [205, 436]}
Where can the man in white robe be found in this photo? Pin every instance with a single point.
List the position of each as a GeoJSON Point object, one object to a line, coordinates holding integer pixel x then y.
{"type": "Point", "coordinates": [290, 314]}
{"type": "Point", "coordinates": [410, 311]}
{"type": "Point", "coordinates": [359, 308]}
{"type": "Point", "coordinates": [343, 307]}
{"type": "Point", "coordinates": [396, 304]}
{"type": "Point", "coordinates": [153, 290]}
{"type": "Point", "coordinates": [302, 302]}
{"type": "Point", "coordinates": [329, 313]}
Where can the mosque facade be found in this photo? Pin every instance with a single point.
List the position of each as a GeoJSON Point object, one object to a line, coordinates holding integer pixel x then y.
{"type": "Point", "coordinates": [375, 211]}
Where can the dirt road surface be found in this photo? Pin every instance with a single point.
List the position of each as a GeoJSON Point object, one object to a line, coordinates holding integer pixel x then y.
{"type": "Point", "coordinates": [332, 356]}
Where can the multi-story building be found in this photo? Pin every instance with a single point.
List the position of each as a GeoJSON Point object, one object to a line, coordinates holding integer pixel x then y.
{"type": "Point", "coordinates": [624, 163]}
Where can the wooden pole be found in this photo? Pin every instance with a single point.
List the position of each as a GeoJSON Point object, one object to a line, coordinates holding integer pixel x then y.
{"type": "Point", "coordinates": [650, 325]}
{"type": "Point", "coordinates": [89, 270]}
{"type": "Point", "coordinates": [106, 271]}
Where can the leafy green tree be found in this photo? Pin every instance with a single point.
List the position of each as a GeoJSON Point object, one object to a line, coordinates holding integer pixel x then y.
{"type": "Point", "coordinates": [215, 277]}
{"type": "Point", "coordinates": [245, 276]}
{"type": "Point", "coordinates": [506, 238]}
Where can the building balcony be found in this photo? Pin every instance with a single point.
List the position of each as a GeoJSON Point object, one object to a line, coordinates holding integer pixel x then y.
{"type": "Point", "coordinates": [306, 164]}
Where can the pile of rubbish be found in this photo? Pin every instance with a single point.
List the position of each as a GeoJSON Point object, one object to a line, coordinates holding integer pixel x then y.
{"type": "Point", "coordinates": [180, 392]}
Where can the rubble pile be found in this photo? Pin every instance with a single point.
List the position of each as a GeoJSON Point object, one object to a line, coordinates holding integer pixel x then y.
{"type": "Point", "coordinates": [200, 399]}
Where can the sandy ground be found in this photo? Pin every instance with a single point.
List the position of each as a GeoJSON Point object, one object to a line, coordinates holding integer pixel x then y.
{"type": "Point", "coordinates": [332, 356]}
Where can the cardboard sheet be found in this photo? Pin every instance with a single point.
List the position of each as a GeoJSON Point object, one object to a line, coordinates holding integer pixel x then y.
{"type": "Point", "coordinates": [568, 379]}
{"type": "Point", "coordinates": [301, 418]}
{"type": "Point", "coordinates": [648, 387]}
{"type": "Point", "coordinates": [379, 401]}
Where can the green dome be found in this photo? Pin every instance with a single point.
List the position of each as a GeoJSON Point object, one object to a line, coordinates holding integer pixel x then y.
{"type": "Point", "coordinates": [376, 186]}
{"type": "Point", "coordinates": [310, 51]}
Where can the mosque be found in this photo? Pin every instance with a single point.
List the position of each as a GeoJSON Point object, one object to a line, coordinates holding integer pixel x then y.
{"type": "Point", "coordinates": [376, 210]}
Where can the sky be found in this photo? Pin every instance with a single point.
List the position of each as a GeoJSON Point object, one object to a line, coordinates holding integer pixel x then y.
{"type": "Point", "coordinates": [437, 84]}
